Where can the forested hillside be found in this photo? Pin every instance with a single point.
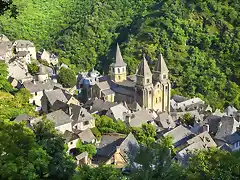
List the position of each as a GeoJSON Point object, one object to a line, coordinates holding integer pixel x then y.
{"type": "Point", "coordinates": [199, 39]}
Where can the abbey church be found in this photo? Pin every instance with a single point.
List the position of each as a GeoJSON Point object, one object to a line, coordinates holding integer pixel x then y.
{"type": "Point", "coordinates": [150, 90]}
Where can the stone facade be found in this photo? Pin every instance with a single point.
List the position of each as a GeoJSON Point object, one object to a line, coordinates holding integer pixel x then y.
{"type": "Point", "coordinates": [150, 90]}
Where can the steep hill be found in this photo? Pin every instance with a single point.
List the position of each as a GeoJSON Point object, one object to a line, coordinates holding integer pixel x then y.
{"type": "Point", "coordinates": [199, 39]}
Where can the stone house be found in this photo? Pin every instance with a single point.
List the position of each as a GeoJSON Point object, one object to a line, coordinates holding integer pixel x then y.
{"type": "Point", "coordinates": [24, 45]}
{"type": "Point", "coordinates": [117, 112]}
{"type": "Point", "coordinates": [116, 149]}
{"type": "Point", "coordinates": [82, 159]}
{"type": "Point", "coordinates": [60, 119]}
{"type": "Point", "coordinates": [180, 135]}
{"type": "Point", "coordinates": [24, 56]}
{"type": "Point", "coordinates": [36, 88]}
{"type": "Point", "coordinates": [87, 136]}
{"type": "Point", "coordinates": [103, 90]}
{"type": "Point", "coordinates": [82, 119]}
{"type": "Point", "coordinates": [71, 140]}
{"type": "Point", "coordinates": [6, 52]}
{"type": "Point", "coordinates": [202, 141]}
{"type": "Point", "coordinates": [48, 57]}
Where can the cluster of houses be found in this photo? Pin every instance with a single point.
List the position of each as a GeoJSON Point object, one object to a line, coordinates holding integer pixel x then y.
{"type": "Point", "coordinates": [136, 99]}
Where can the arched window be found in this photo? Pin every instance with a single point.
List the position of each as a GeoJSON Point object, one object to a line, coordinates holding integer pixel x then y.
{"type": "Point", "coordinates": [119, 77]}
{"type": "Point", "coordinates": [123, 69]}
{"type": "Point", "coordinates": [118, 70]}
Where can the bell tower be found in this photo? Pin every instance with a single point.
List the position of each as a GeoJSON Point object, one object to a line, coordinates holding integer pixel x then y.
{"type": "Point", "coordinates": [118, 69]}
{"type": "Point", "coordinates": [144, 86]}
{"type": "Point", "coordinates": [160, 74]}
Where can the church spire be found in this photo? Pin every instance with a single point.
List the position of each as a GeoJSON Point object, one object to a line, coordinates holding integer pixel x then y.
{"type": "Point", "coordinates": [119, 59]}
{"type": "Point", "coordinates": [143, 68]}
{"type": "Point", "coordinates": [161, 65]}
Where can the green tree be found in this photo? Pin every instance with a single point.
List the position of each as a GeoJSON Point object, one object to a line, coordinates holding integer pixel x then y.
{"type": "Point", "coordinates": [67, 77]}
{"type": "Point", "coordinates": [4, 84]}
{"type": "Point", "coordinates": [214, 164]}
{"type": "Point", "coordinates": [61, 165]}
{"type": "Point", "coordinates": [156, 163]}
{"type": "Point", "coordinates": [98, 173]}
{"type": "Point", "coordinates": [144, 135]}
{"type": "Point", "coordinates": [21, 156]}
{"type": "Point", "coordinates": [187, 119]}
{"type": "Point", "coordinates": [33, 68]}
{"type": "Point", "coordinates": [90, 148]}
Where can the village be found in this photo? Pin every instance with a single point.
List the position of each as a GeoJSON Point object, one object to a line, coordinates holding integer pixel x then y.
{"type": "Point", "coordinates": [144, 97]}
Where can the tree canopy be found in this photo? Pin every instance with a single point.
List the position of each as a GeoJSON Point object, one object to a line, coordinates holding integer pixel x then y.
{"type": "Point", "coordinates": [67, 77]}
{"type": "Point", "coordinates": [198, 39]}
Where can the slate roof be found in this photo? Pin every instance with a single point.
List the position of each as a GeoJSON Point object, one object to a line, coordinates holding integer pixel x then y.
{"type": "Point", "coordinates": [109, 142]}
{"type": "Point", "coordinates": [58, 117]}
{"type": "Point", "coordinates": [143, 68]}
{"type": "Point", "coordinates": [119, 59]}
{"type": "Point", "coordinates": [178, 133]}
{"type": "Point", "coordinates": [235, 137]}
{"type": "Point", "coordinates": [40, 86]}
{"type": "Point", "coordinates": [140, 117]}
{"type": "Point", "coordinates": [161, 65]}
{"type": "Point", "coordinates": [213, 122]}
{"type": "Point", "coordinates": [107, 92]}
{"type": "Point", "coordinates": [103, 85]}
{"type": "Point", "coordinates": [134, 106]}
{"type": "Point", "coordinates": [3, 38]}
{"type": "Point", "coordinates": [69, 136]}
{"type": "Point", "coordinates": [86, 136]}
{"type": "Point", "coordinates": [194, 113]}
{"type": "Point", "coordinates": [178, 98]}
{"type": "Point", "coordinates": [126, 83]}
{"type": "Point", "coordinates": [165, 120]}
{"type": "Point", "coordinates": [23, 44]}
{"type": "Point", "coordinates": [55, 95]}
{"type": "Point", "coordinates": [227, 126]}
{"type": "Point", "coordinates": [23, 117]}
{"type": "Point", "coordinates": [123, 90]}
{"type": "Point", "coordinates": [100, 105]}
{"type": "Point", "coordinates": [118, 111]}
{"type": "Point", "coordinates": [80, 114]}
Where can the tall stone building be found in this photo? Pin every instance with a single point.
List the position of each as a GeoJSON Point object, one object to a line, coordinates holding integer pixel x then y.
{"type": "Point", "coordinates": [150, 90]}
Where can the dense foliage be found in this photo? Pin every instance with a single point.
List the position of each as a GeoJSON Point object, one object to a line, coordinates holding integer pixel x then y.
{"type": "Point", "coordinates": [90, 148]}
{"type": "Point", "coordinates": [199, 39]}
{"type": "Point", "coordinates": [67, 77]}
{"type": "Point", "coordinates": [33, 154]}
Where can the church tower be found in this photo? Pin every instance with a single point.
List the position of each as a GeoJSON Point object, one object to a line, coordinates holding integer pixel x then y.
{"type": "Point", "coordinates": [160, 75]}
{"type": "Point", "coordinates": [118, 69]}
{"type": "Point", "coordinates": [143, 88]}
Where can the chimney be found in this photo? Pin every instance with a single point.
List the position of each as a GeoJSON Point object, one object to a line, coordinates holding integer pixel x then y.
{"type": "Point", "coordinates": [206, 127]}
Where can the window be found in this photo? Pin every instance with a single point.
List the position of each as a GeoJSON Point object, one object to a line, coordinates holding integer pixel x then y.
{"type": "Point", "coordinates": [71, 142]}
{"type": "Point", "coordinates": [159, 99]}
{"type": "Point", "coordinates": [150, 92]}
{"type": "Point", "coordinates": [123, 69]}
{"type": "Point", "coordinates": [35, 93]}
{"type": "Point", "coordinates": [166, 88]}
{"type": "Point", "coordinates": [118, 70]}
{"type": "Point", "coordinates": [156, 100]}
{"type": "Point", "coordinates": [164, 76]}
{"type": "Point", "coordinates": [119, 77]}
{"type": "Point", "coordinates": [86, 123]}
{"type": "Point", "coordinates": [148, 80]}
